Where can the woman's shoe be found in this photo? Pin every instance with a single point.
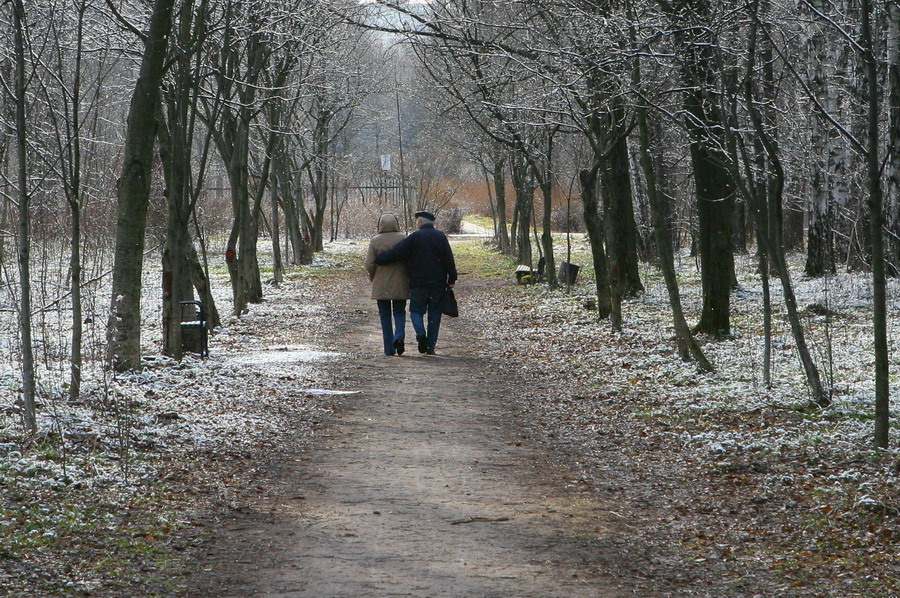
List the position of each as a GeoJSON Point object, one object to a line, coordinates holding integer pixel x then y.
{"type": "Point", "coordinates": [399, 347]}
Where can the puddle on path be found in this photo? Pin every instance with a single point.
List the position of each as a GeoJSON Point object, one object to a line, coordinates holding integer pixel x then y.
{"type": "Point", "coordinates": [316, 392]}
{"type": "Point", "coordinates": [285, 355]}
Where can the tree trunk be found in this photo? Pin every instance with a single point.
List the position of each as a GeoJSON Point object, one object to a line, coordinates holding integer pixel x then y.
{"type": "Point", "coordinates": [318, 223]}
{"type": "Point", "coordinates": [712, 178]}
{"type": "Point", "coordinates": [319, 187]}
{"type": "Point", "coordinates": [318, 175]}
{"type": "Point", "coordinates": [776, 190]}
{"type": "Point", "coordinates": [24, 200]}
{"type": "Point", "coordinates": [319, 190]}
{"type": "Point", "coordinates": [292, 230]}
{"type": "Point", "coordinates": [133, 190]}
{"type": "Point", "coordinates": [177, 287]}
{"type": "Point", "coordinates": [287, 234]}
{"type": "Point", "coordinates": [839, 155]}
{"type": "Point", "coordinates": [818, 247]}
{"type": "Point", "coordinates": [75, 355]}
{"type": "Point", "coordinates": [524, 204]}
{"type": "Point", "coordinates": [547, 234]}
{"type": "Point", "coordinates": [546, 184]}
{"type": "Point", "coordinates": [77, 317]}
{"type": "Point", "coordinates": [248, 264]}
{"type": "Point", "coordinates": [513, 229]}
{"type": "Point", "coordinates": [622, 236]}
{"type": "Point", "coordinates": [292, 208]}
{"type": "Point", "coordinates": [792, 228]}
{"type": "Point", "coordinates": [859, 250]}
{"type": "Point", "coordinates": [175, 156]}
{"type": "Point", "coordinates": [660, 214]}
{"type": "Point", "coordinates": [251, 279]}
{"type": "Point", "coordinates": [882, 388]}
{"type": "Point", "coordinates": [301, 250]}
{"type": "Point", "coordinates": [525, 199]}
{"type": "Point", "coordinates": [306, 223]}
{"type": "Point", "coordinates": [739, 228]}
{"type": "Point", "coordinates": [240, 201]}
{"type": "Point", "coordinates": [277, 265]}
{"type": "Point", "coordinates": [761, 216]}
{"type": "Point", "coordinates": [594, 226]}
{"type": "Point", "coordinates": [231, 259]}
{"type": "Point", "coordinates": [646, 237]}
{"type": "Point", "coordinates": [204, 291]}
{"type": "Point", "coordinates": [333, 219]}
{"type": "Point", "coordinates": [790, 299]}
{"type": "Point", "coordinates": [4, 188]}
{"type": "Point", "coordinates": [500, 195]}
{"type": "Point", "coordinates": [894, 136]}
{"type": "Point", "coordinates": [489, 188]}
{"type": "Point", "coordinates": [200, 278]}
{"type": "Point", "coordinates": [715, 204]}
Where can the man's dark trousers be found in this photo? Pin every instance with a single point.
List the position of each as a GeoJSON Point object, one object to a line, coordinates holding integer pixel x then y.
{"type": "Point", "coordinates": [424, 300]}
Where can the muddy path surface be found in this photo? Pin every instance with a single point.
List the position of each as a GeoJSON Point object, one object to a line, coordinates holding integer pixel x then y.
{"type": "Point", "coordinates": [421, 485]}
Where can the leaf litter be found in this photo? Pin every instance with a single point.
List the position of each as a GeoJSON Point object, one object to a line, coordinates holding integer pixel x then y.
{"type": "Point", "coordinates": [757, 489]}
{"type": "Point", "coordinates": [115, 494]}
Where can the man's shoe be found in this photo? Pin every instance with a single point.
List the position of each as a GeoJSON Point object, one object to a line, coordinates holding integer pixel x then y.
{"type": "Point", "coordinates": [429, 351]}
{"type": "Point", "coordinates": [399, 346]}
{"type": "Point", "coordinates": [423, 343]}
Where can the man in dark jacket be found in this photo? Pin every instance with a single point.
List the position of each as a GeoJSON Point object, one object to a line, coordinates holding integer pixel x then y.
{"type": "Point", "coordinates": [429, 262]}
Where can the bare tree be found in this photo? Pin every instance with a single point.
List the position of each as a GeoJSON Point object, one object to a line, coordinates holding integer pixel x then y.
{"type": "Point", "coordinates": [67, 128]}
{"type": "Point", "coordinates": [776, 182]}
{"type": "Point", "coordinates": [695, 40]}
{"type": "Point", "coordinates": [660, 210]}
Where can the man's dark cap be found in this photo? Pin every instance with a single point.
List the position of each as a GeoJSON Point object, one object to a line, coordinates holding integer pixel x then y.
{"type": "Point", "coordinates": [427, 215]}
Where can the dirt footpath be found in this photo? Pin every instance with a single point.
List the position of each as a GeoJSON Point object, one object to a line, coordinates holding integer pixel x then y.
{"type": "Point", "coordinates": [420, 486]}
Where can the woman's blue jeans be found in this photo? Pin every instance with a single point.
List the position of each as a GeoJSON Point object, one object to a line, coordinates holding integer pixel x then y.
{"type": "Point", "coordinates": [392, 331]}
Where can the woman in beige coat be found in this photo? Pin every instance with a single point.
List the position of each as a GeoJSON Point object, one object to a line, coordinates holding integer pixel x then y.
{"type": "Point", "coordinates": [390, 285]}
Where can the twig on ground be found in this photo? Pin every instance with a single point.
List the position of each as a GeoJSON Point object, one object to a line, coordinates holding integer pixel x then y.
{"type": "Point", "coordinates": [479, 520]}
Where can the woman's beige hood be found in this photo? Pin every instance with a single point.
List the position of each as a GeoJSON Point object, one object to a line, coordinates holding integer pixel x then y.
{"type": "Point", "coordinates": [388, 223]}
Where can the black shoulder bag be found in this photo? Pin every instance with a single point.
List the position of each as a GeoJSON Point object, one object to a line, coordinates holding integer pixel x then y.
{"type": "Point", "coordinates": [448, 304]}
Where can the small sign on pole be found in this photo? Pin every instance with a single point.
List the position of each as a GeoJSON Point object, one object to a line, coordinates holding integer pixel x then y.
{"type": "Point", "coordinates": [386, 162]}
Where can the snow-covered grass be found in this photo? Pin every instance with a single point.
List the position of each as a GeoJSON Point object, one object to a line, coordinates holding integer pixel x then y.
{"type": "Point", "coordinates": [600, 391]}
{"type": "Point", "coordinates": [846, 362]}
{"type": "Point", "coordinates": [110, 466]}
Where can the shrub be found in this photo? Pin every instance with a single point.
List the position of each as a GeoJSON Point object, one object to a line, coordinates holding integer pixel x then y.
{"type": "Point", "coordinates": [558, 220]}
{"type": "Point", "coordinates": [450, 221]}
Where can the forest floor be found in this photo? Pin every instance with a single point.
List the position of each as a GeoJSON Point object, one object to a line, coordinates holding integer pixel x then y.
{"type": "Point", "coordinates": [538, 454]}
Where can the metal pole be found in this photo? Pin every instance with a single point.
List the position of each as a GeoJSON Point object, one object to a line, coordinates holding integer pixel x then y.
{"type": "Point", "coordinates": [402, 171]}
